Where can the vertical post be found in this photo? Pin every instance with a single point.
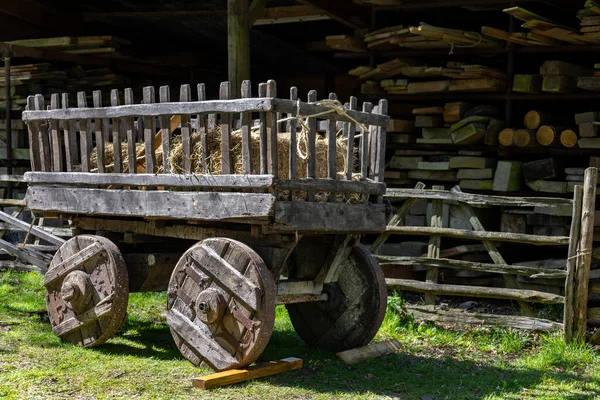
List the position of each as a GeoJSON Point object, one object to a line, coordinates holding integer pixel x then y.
{"type": "Point", "coordinates": [381, 138]}
{"type": "Point", "coordinates": [57, 150]}
{"type": "Point", "coordinates": [149, 97]}
{"type": "Point", "coordinates": [311, 147]}
{"type": "Point", "coordinates": [293, 124]}
{"type": "Point", "coordinates": [373, 144]}
{"type": "Point", "coordinates": [164, 96]}
{"type": "Point", "coordinates": [99, 128]}
{"type": "Point", "coordinates": [131, 137]}
{"type": "Point", "coordinates": [364, 146]}
{"type": "Point", "coordinates": [116, 135]}
{"type": "Point", "coordinates": [273, 161]}
{"type": "Point", "coordinates": [351, 127]}
{"type": "Point", "coordinates": [238, 43]}
{"type": "Point", "coordinates": [185, 96]}
{"type": "Point", "coordinates": [203, 129]}
{"type": "Point", "coordinates": [584, 256]}
{"type": "Point", "coordinates": [69, 137]}
{"type": "Point", "coordinates": [264, 168]}
{"type": "Point", "coordinates": [433, 250]}
{"type": "Point", "coordinates": [34, 142]}
{"type": "Point", "coordinates": [575, 235]}
{"type": "Point", "coordinates": [7, 117]}
{"type": "Point", "coordinates": [246, 120]}
{"type": "Point", "coordinates": [85, 135]}
{"type": "Point", "coordinates": [43, 136]}
{"type": "Point", "coordinates": [331, 144]}
{"type": "Point", "coordinates": [226, 167]}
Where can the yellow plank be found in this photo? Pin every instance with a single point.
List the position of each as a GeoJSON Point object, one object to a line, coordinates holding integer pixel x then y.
{"type": "Point", "coordinates": [370, 351]}
{"type": "Point", "coordinates": [241, 375]}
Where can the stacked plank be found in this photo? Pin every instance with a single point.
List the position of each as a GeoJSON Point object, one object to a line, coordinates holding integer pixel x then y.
{"type": "Point", "coordinates": [545, 175]}
{"type": "Point", "coordinates": [554, 77]}
{"type": "Point", "coordinates": [588, 126]}
{"type": "Point", "coordinates": [426, 36]}
{"type": "Point", "coordinates": [542, 31]}
{"type": "Point", "coordinates": [589, 21]}
{"type": "Point", "coordinates": [107, 46]}
{"type": "Point", "coordinates": [46, 79]}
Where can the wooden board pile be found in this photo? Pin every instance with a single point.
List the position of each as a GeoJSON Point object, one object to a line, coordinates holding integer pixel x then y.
{"type": "Point", "coordinates": [556, 77]}
{"type": "Point", "coordinates": [46, 79]}
{"type": "Point", "coordinates": [588, 126]}
{"type": "Point", "coordinates": [106, 46]}
{"type": "Point", "coordinates": [408, 76]}
{"type": "Point", "coordinates": [544, 32]}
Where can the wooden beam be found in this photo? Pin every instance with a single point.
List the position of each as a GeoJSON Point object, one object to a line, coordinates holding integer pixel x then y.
{"type": "Point", "coordinates": [238, 44]}
{"type": "Point", "coordinates": [345, 12]}
{"type": "Point", "coordinates": [256, 11]}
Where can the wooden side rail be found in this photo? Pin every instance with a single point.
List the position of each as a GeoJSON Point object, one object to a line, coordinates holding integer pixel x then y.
{"type": "Point", "coordinates": [65, 138]}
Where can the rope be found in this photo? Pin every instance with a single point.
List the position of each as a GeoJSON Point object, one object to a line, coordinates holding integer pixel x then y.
{"type": "Point", "coordinates": [466, 46]}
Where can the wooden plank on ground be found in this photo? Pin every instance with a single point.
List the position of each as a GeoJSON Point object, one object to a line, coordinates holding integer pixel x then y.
{"type": "Point", "coordinates": [363, 353]}
{"type": "Point", "coordinates": [242, 375]}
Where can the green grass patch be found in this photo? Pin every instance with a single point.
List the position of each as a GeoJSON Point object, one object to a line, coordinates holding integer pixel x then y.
{"type": "Point", "coordinates": [141, 361]}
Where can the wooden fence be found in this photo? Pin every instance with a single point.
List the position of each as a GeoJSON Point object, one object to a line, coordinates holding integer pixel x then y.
{"type": "Point", "coordinates": [575, 272]}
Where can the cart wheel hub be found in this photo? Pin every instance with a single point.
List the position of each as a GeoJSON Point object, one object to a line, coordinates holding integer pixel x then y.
{"type": "Point", "coordinates": [76, 290]}
{"type": "Point", "coordinates": [210, 306]}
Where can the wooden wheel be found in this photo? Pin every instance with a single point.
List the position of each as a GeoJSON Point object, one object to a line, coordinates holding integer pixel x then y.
{"type": "Point", "coordinates": [87, 290]}
{"type": "Point", "coordinates": [355, 308]}
{"type": "Point", "coordinates": [221, 304]}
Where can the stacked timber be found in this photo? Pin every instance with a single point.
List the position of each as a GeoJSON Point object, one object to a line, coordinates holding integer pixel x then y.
{"type": "Point", "coordinates": [562, 77]}
{"type": "Point", "coordinates": [545, 175]}
{"type": "Point", "coordinates": [588, 126]}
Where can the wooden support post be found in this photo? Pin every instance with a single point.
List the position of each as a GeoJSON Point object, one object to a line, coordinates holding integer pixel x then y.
{"type": "Point", "coordinates": [7, 118]}
{"type": "Point", "coordinates": [149, 97]}
{"type": "Point", "coordinates": [238, 43]}
{"type": "Point", "coordinates": [433, 250]}
{"type": "Point", "coordinates": [130, 134]}
{"type": "Point", "coordinates": [584, 255]}
{"type": "Point", "coordinates": [575, 235]}
{"type": "Point", "coordinates": [226, 160]}
{"type": "Point", "coordinates": [396, 219]}
{"type": "Point", "coordinates": [495, 255]}
{"type": "Point", "coordinates": [185, 96]}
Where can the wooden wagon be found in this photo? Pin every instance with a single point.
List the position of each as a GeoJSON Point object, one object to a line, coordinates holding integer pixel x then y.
{"type": "Point", "coordinates": [228, 247]}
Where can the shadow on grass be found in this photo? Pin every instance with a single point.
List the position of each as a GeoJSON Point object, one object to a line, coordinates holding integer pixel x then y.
{"type": "Point", "coordinates": [401, 375]}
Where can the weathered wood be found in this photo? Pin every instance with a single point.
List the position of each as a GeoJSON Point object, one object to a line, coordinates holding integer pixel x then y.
{"type": "Point", "coordinates": [433, 250]}
{"type": "Point", "coordinates": [495, 236]}
{"type": "Point", "coordinates": [225, 285]}
{"type": "Point", "coordinates": [589, 129]}
{"type": "Point", "coordinates": [34, 230]}
{"type": "Point", "coordinates": [226, 159]}
{"type": "Point", "coordinates": [149, 97]}
{"type": "Point", "coordinates": [233, 376]}
{"type": "Point", "coordinates": [164, 96]}
{"type": "Point", "coordinates": [32, 257]}
{"type": "Point", "coordinates": [535, 118]}
{"type": "Point", "coordinates": [327, 185]}
{"type": "Point", "coordinates": [311, 171]}
{"type": "Point", "coordinates": [548, 186]}
{"type": "Point", "coordinates": [589, 116]}
{"type": "Point", "coordinates": [262, 93]}
{"type": "Point", "coordinates": [441, 176]}
{"type": "Point", "coordinates": [548, 135]}
{"type": "Point", "coordinates": [485, 173]}
{"type": "Point", "coordinates": [374, 350]}
{"type": "Point", "coordinates": [381, 139]}
{"type": "Point", "coordinates": [540, 169]}
{"type": "Point", "coordinates": [454, 112]}
{"type": "Point", "coordinates": [364, 145]}
{"type": "Point", "coordinates": [42, 136]}
{"type": "Point", "coordinates": [246, 92]}
{"type": "Point", "coordinates": [589, 83]}
{"type": "Point", "coordinates": [185, 96]}
{"type": "Point", "coordinates": [563, 68]}
{"type": "Point", "coordinates": [474, 291]}
{"type": "Point", "coordinates": [471, 162]}
{"type": "Point", "coordinates": [351, 128]}
{"type": "Point", "coordinates": [238, 43]}
{"type": "Point", "coordinates": [527, 83]}
{"type": "Point", "coordinates": [468, 134]}
{"type": "Point", "coordinates": [506, 137]}
{"type": "Point", "coordinates": [57, 145]}
{"type": "Point", "coordinates": [479, 200]}
{"type": "Point", "coordinates": [85, 134]}
{"type": "Point", "coordinates": [584, 255]}
{"type": "Point", "coordinates": [117, 138]}
{"type": "Point", "coordinates": [505, 269]}
{"type": "Point", "coordinates": [202, 128]}
{"type": "Point", "coordinates": [181, 108]}
{"type": "Point", "coordinates": [462, 317]}
{"type": "Point", "coordinates": [322, 217]}
{"type": "Point", "coordinates": [351, 323]}
{"type": "Point", "coordinates": [575, 235]}
{"type": "Point", "coordinates": [98, 130]}
{"type": "Point", "coordinates": [507, 177]}
{"type": "Point", "coordinates": [69, 139]}
{"type": "Point", "coordinates": [524, 138]}
{"type": "Point", "coordinates": [157, 204]}
{"type": "Point", "coordinates": [293, 125]}
{"type": "Point", "coordinates": [87, 290]}
{"type": "Point", "coordinates": [178, 180]}
{"type": "Point", "coordinates": [559, 84]}
{"type": "Point", "coordinates": [330, 135]}
{"type": "Point", "coordinates": [130, 134]}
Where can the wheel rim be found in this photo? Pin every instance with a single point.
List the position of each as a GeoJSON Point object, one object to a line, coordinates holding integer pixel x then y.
{"type": "Point", "coordinates": [354, 310]}
{"type": "Point", "coordinates": [87, 290]}
{"type": "Point", "coordinates": [221, 304]}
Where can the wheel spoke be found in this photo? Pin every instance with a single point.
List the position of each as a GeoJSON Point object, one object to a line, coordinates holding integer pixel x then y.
{"type": "Point", "coordinates": [72, 263]}
{"type": "Point", "coordinates": [86, 318]}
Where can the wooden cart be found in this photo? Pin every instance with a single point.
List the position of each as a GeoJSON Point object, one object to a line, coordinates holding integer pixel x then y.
{"type": "Point", "coordinates": [227, 247]}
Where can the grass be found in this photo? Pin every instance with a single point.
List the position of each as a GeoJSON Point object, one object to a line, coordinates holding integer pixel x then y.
{"type": "Point", "coordinates": [141, 361]}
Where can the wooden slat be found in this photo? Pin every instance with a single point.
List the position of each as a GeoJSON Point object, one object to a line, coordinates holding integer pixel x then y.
{"type": "Point", "coordinates": [185, 96]}
{"type": "Point", "coordinates": [373, 145]}
{"type": "Point", "coordinates": [195, 181]}
{"type": "Point", "coordinates": [246, 120]}
{"type": "Point", "coordinates": [288, 106]}
{"type": "Point", "coordinates": [331, 148]}
{"type": "Point", "coordinates": [530, 272]}
{"type": "Point", "coordinates": [350, 128]}
{"type": "Point", "coordinates": [292, 126]}
{"type": "Point", "coordinates": [272, 155]}
{"type": "Point", "coordinates": [363, 353]}
{"type": "Point", "coordinates": [205, 206]}
{"type": "Point", "coordinates": [494, 236]}
{"type": "Point", "coordinates": [146, 110]}
{"type": "Point", "coordinates": [88, 317]}
{"type": "Point", "coordinates": [85, 135]}
{"type": "Point", "coordinates": [72, 263]}
{"type": "Point", "coordinates": [149, 97]}
{"type": "Point", "coordinates": [130, 133]}
{"type": "Point", "coordinates": [42, 133]}
{"type": "Point", "coordinates": [117, 139]}
{"type": "Point", "coordinates": [312, 140]}
{"type": "Point", "coordinates": [364, 146]}
{"type": "Point", "coordinates": [34, 143]}
{"type": "Point", "coordinates": [381, 140]}
{"type": "Point", "coordinates": [474, 291]}
{"type": "Point", "coordinates": [433, 250]}
{"type": "Point", "coordinates": [164, 96]}
{"type": "Point", "coordinates": [226, 161]}
{"type": "Point", "coordinates": [478, 200]}
{"type": "Point", "coordinates": [264, 168]}
{"type": "Point", "coordinates": [233, 376]}
{"type": "Point", "coordinates": [34, 230]}
{"type": "Point", "coordinates": [32, 257]}
{"type": "Point", "coordinates": [324, 185]}
{"type": "Point", "coordinates": [57, 149]}
{"type": "Point", "coordinates": [98, 128]}
{"type": "Point", "coordinates": [574, 234]}
{"type": "Point", "coordinates": [203, 129]}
